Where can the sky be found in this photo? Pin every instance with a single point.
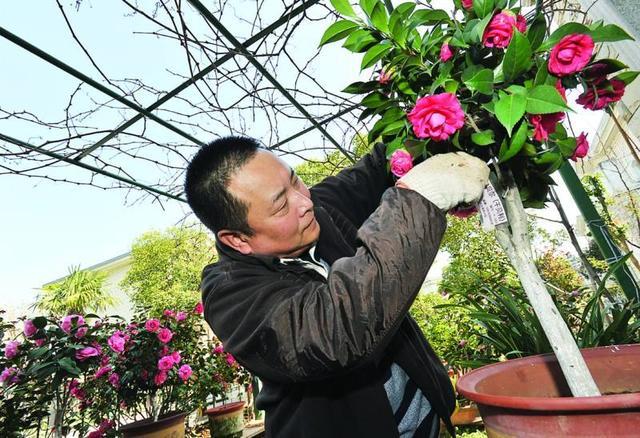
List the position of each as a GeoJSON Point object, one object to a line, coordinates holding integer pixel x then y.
{"type": "Point", "coordinates": [47, 227]}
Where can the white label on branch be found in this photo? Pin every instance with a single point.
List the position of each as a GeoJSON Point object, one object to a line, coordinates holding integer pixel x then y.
{"type": "Point", "coordinates": [491, 209]}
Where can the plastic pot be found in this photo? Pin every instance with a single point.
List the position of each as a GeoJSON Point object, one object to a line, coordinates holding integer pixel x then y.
{"type": "Point", "coordinates": [529, 397]}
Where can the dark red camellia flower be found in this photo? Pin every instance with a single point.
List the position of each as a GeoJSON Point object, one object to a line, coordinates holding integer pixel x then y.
{"type": "Point", "coordinates": [601, 93]}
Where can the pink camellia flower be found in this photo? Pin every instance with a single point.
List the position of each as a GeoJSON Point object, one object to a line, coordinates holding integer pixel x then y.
{"type": "Point", "coordinates": [384, 77]}
{"type": "Point", "coordinates": [571, 54]}
{"type": "Point", "coordinates": [40, 342]}
{"type": "Point", "coordinates": [521, 23]}
{"type": "Point", "coordinates": [199, 309]}
{"type": "Point", "coordinates": [400, 162]}
{"type": "Point", "coordinates": [86, 353]}
{"type": "Point", "coordinates": [185, 372]}
{"type": "Point", "coordinates": [152, 325]}
{"type": "Point", "coordinates": [606, 92]}
{"type": "Point", "coordinates": [165, 363]}
{"type": "Point", "coordinates": [445, 52]}
{"type": "Point", "coordinates": [169, 313]}
{"type": "Point", "coordinates": [67, 322]}
{"type": "Point", "coordinates": [582, 147]}
{"type": "Point", "coordinates": [9, 375]}
{"type": "Point", "coordinates": [467, 4]}
{"type": "Point", "coordinates": [165, 335]}
{"type": "Point", "coordinates": [117, 341]}
{"type": "Point", "coordinates": [76, 391]}
{"type": "Point", "coordinates": [95, 434]}
{"type": "Point", "coordinates": [176, 357]}
{"type": "Point", "coordinates": [437, 116]}
{"type": "Point", "coordinates": [499, 31]}
{"type": "Point", "coordinates": [160, 378]}
{"type": "Point", "coordinates": [181, 316]}
{"type": "Point", "coordinates": [29, 328]}
{"type": "Point", "coordinates": [102, 371]}
{"type": "Point", "coordinates": [231, 360]}
{"type": "Point", "coordinates": [114, 380]}
{"type": "Point", "coordinates": [219, 349]}
{"type": "Point", "coordinates": [545, 124]}
{"type": "Point", "coordinates": [11, 349]}
{"type": "Point", "coordinates": [106, 425]}
{"type": "Point", "coordinates": [81, 332]}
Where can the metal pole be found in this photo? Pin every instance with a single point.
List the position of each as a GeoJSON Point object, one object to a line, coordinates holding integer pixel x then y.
{"type": "Point", "coordinates": [600, 232]}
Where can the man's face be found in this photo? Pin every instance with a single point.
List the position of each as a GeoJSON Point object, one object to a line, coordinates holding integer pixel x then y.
{"type": "Point", "coordinates": [280, 211]}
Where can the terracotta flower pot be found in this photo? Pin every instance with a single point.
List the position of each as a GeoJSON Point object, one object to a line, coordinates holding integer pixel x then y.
{"type": "Point", "coordinates": [529, 397]}
{"type": "Point", "coordinates": [466, 415]}
{"type": "Point", "coordinates": [226, 421]}
{"type": "Point", "coordinates": [167, 426]}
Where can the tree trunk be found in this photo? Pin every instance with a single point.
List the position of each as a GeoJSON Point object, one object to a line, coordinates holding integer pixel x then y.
{"type": "Point", "coordinates": [514, 239]}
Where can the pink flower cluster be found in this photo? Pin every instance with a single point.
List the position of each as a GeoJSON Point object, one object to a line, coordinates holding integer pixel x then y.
{"type": "Point", "coordinates": [103, 428]}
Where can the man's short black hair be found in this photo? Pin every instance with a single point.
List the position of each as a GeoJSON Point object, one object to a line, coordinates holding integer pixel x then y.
{"type": "Point", "coordinates": [207, 181]}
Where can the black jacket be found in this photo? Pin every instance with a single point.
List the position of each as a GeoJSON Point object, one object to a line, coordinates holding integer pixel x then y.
{"type": "Point", "coordinates": [322, 347]}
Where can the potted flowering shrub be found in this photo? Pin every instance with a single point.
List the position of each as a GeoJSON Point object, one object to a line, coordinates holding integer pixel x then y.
{"type": "Point", "coordinates": [218, 372]}
{"type": "Point", "coordinates": [145, 374]}
{"type": "Point", "coordinates": [488, 81]}
{"type": "Point", "coordinates": [41, 368]}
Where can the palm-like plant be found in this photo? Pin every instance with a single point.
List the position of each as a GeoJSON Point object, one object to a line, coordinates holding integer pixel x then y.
{"type": "Point", "coordinates": [78, 293]}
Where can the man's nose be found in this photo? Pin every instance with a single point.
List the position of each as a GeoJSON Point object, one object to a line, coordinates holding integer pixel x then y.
{"type": "Point", "coordinates": [305, 203]}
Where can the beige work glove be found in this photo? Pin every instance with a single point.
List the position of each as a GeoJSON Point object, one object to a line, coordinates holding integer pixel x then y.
{"type": "Point", "coordinates": [448, 180]}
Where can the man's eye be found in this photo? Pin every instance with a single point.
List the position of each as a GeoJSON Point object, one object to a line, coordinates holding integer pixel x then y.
{"type": "Point", "coordinates": [281, 209]}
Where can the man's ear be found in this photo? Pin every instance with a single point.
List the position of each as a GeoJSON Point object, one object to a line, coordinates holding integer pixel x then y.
{"type": "Point", "coordinates": [236, 240]}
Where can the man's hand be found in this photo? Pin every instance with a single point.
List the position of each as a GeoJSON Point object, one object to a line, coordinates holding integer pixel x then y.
{"type": "Point", "coordinates": [448, 180]}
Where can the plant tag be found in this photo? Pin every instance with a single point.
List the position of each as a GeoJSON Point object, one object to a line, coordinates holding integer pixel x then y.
{"type": "Point", "coordinates": [491, 209]}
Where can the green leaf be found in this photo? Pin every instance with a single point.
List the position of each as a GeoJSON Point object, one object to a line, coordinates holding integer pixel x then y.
{"type": "Point", "coordinates": [393, 146]}
{"type": "Point", "coordinates": [451, 86]}
{"type": "Point", "coordinates": [397, 25]}
{"type": "Point", "coordinates": [536, 32]}
{"type": "Point", "coordinates": [478, 79]}
{"type": "Point", "coordinates": [561, 32]}
{"type": "Point", "coordinates": [343, 7]}
{"type": "Point", "coordinates": [478, 30]}
{"type": "Point", "coordinates": [361, 87]}
{"type": "Point", "coordinates": [517, 57]}
{"type": "Point", "coordinates": [545, 99]}
{"type": "Point", "coordinates": [422, 17]}
{"type": "Point", "coordinates": [394, 127]}
{"type": "Point", "coordinates": [483, 138]}
{"type": "Point", "coordinates": [368, 5]}
{"type": "Point", "coordinates": [404, 87]}
{"type": "Point", "coordinates": [509, 109]}
{"type": "Point", "coordinates": [69, 365]}
{"type": "Point", "coordinates": [483, 7]}
{"type": "Point", "coordinates": [374, 100]}
{"type": "Point", "coordinates": [338, 30]}
{"type": "Point", "coordinates": [40, 322]}
{"type": "Point", "coordinates": [379, 18]}
{"type": "Point", "coordinates": [609, 33]}
{"type": "Point", "coordinates": [567, 146]}
{"type": "Point", "coordinates": [627, 77]}
{"type": "Point", "coordinates": [359, 41]}
{"type": "Point", "coordinates": [516, 144]}
{"type": "Point", "coordinates": [374, 54]}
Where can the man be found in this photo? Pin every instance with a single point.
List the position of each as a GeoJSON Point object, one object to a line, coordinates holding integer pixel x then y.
{"type": "Point", "coordinates": [312, 288]}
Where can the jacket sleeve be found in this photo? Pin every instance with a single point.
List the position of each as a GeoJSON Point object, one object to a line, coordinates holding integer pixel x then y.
{"type": "Point", "coordinates": [356, 191]}
{"type": "Point", "coordinates": [288, 331]}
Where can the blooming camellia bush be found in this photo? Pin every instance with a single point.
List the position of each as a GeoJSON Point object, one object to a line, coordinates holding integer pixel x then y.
{"type": "Point", "coordinates": [491, 82]}
{"type": "Point", "coordinates": [488, 82]}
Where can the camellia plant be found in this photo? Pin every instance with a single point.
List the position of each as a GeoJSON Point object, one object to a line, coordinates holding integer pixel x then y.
{"type": "Point", "coordinates": [146, 369]}
{"type": "Point", "coordinates": [491, 81]}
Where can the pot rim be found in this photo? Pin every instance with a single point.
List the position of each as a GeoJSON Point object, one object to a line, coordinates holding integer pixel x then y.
{"type": "Point", "coordinates": [225, 408]}
{"type": "Point", "coordinates": [163, 421]}
{"type": "Point", "coordinates": [467, 386]}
